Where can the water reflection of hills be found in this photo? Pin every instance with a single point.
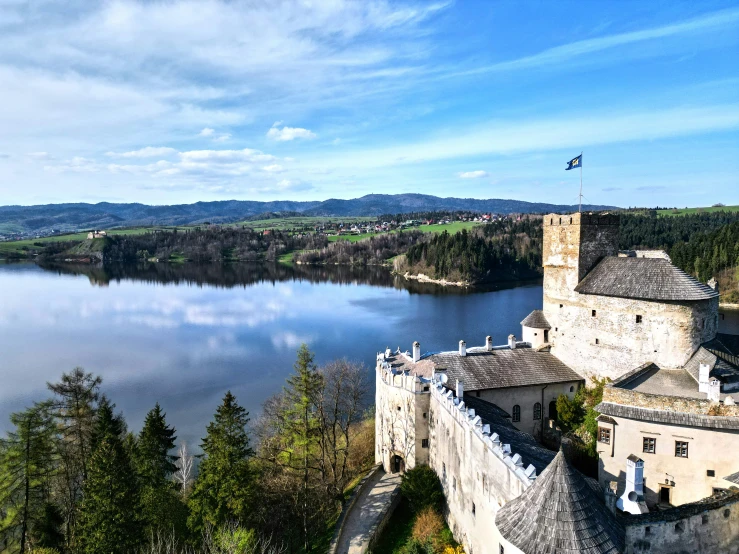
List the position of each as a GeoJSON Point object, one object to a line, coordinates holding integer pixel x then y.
{"type": "Point", "coordinates": [244, 274]}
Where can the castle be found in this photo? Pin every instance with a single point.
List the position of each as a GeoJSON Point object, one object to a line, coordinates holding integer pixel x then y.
{"type": "Point", "coordinates": [668, 430]}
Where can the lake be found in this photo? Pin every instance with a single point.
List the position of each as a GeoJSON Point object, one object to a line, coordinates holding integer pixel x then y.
{"type": "Point", "coordinates": [183, 335]}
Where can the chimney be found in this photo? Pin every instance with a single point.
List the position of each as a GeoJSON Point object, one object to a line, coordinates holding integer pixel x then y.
{"type": "Point", "coordinates": [632, 500]}
{"type": "Point", "coordinates": [703, 371]}
{"type": "Point", "coordinates": [462, 348]}
{"type": "Point", "coordinates": [460, 389]}
{"type": "Point", "coordinates": [512, 342]}
{"type": "Point", "coordinates": [714, 390]}
{"type": "Point", "coordinates": [416, 351]}
{"type": "Point", "coordinates": [488, 343]}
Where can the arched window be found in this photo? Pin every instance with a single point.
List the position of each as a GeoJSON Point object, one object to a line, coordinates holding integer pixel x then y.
{"type": "Point", "coordinates": [572, 389]}
{"type": "Point", "coordinates": [516, 413]}
{"type": "Point", "coordinates": [537, 411]}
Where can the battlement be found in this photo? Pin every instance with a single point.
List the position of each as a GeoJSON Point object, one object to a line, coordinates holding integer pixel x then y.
{"type": "Point", "coordinates": [579, 219]}
{"type": "Point", "coordinates": [467, 418]}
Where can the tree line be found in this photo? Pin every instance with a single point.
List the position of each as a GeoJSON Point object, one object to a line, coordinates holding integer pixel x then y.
{"type": "Point", "coordinates": [75, 479]}
{"type": "Point", "coordinates": [374, 250]}
{"type": "Point", "coordinates": [498, 251]}
{"type": "Point", "coordinates": [210, 244]}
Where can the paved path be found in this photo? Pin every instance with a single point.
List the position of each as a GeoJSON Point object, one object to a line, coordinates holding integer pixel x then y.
{"type": "Point", "coordinates": [365, 513]}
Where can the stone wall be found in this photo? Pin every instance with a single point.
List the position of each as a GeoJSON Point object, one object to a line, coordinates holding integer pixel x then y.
{"type": "Point", "coordinates": [525, 398]}
{"type": "Point", "coordinates": [695, 406]}
{"type": "Point", "coordinates": [478, 474]}
{"type": "Point", "coordinates": [401, 419]}
{"type": "Point", "coordinates": [611, 343]}
{"type": "Point", "coordinates": [710, 527]}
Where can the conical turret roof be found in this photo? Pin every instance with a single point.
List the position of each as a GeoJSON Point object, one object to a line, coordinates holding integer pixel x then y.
{"type": "Point", "coordinates": [536, 320]}
{"type": "Point", "coordinates": [560, 513]}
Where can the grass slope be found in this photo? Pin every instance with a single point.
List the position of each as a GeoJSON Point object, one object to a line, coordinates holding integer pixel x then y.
{"type": "Point", "coordinates": [688, 211]}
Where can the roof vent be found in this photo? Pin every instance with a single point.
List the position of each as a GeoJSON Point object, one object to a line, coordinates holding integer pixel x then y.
{"type": "Point", "coordinates": [462, 348]}
{"type": "Point", "coordinates": [512, 342]}
{"type": "Point", "coordinates": [488, 343]}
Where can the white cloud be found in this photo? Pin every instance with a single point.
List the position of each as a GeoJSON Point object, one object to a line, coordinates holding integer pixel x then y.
{"type": "Point", "coordinates": [289, 133]}
{"type": "Point", "coordinates": [146, 152]}
{"type": "Point", "coordinates": [223, 137]}
{"type": "Point", "coordinates": [473, 174]}
{"type": "Point", "coordinates": [274, 168]}
{"type": "Point", "coordinates": [207, 132]}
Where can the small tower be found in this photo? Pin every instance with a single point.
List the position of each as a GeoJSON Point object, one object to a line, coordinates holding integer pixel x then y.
{"type": "Point", "coordinates": [535, 329]}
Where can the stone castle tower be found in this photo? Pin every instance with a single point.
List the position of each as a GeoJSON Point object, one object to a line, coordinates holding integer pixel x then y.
{"type": "Point", "coordinates": [609, 314]}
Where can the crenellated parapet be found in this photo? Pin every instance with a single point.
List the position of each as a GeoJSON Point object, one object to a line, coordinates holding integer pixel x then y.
{"type": "Point", "coordinates": [467, 419]}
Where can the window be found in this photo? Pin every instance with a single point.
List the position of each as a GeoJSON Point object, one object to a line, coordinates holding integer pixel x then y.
{"type": "Point", "coordinates": [516, 413]}
{"type": "Point", "coordinates": [454, 483]}
{"type": "Point", "coordinates": [502, 550]}
{"type": "Point", "coordinates": [592, 313]}
{"type": "Point", "coordinates": [570, 221]}
{"type": "Point", "coordinates": [425, 415]}
{"type": "Point", "coordinates": [638, 319]}
{"type": "Point", "coordinates": [424, 443]}
{"type": "Point", "coordinates": [597, 341]}
{"type": "Point", "coordinates": [681, 449]}
{"type": "Point", "coordinates": [710, 473]}
{"type": "Point", "coordinates": [443, 470]}
{"type": "Point", "coordinates": [561, 306]}
{"type": "Point", "coordinates": [604, 435]}
{"type": "Point", "coordinates": [473, 508]}
{"type": "Point", "coordinates": [572, 389]}
{"type": "Point", "coordinates": [425, 389]}
{"type": "Point", "coordinates": [537, 411]}
{"type": "Point", "coordinates": [398, 408]}
{"type": "Point", "coordinates": [650, 445]}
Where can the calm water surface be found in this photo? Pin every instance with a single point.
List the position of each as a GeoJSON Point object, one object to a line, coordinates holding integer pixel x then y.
{"type": "Point", "coordinates": [182, 336]}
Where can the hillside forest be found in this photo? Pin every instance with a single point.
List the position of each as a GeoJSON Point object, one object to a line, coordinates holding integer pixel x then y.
{"type": "Point", "coordinates": [75, 479]}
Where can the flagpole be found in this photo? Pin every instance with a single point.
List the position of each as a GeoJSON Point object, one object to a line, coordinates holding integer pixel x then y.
{"type": "Point", "coordinates": [580, 182]}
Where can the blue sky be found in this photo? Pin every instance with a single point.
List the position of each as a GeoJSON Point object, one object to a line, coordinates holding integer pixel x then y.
{"type": "Point", "coordinates": [176, 102]}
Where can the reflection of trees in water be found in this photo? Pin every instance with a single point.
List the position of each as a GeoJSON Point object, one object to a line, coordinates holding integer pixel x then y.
{"type": "Point", "coordinates": [243, 274]}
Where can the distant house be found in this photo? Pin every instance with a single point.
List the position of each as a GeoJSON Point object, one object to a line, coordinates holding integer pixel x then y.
{"type": "Point", "coordinates": [96, 235]}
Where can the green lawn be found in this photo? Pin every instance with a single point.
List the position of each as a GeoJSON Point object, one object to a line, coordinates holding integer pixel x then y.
{"type": "Point", "coordinates": [688, 211]}
{"type": "Point", "coordinates": [452, 228]}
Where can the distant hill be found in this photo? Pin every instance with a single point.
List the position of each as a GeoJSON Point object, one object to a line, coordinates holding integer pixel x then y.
{"type": "Point", "coordinates": [42, 219]}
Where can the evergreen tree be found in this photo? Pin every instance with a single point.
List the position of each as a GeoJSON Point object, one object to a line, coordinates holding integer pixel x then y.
{"type": "Point", "coordinates": [161, 506]}
{"type": "Point", "coordinates": [224, 483]}
{"type": "Point", "coordinates": [109, 513]}
{"type": "Point", "coordinates": [27, 463]}
{"type": "Point", "coordinates": [75, 407]}
{"type": "Point", "coordinates": [302, 426]}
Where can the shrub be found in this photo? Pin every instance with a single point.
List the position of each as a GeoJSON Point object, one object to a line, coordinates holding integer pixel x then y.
{"type": "Point", "coordinates": [422, 488]}
{"type": "Point", "coordinates": [428, 525]}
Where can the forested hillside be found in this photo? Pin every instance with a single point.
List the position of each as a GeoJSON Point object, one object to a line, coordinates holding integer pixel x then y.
{"type": "Point", "coordinates": [75, 480]}
{"type": "Point", "coordinates": [504, 250]}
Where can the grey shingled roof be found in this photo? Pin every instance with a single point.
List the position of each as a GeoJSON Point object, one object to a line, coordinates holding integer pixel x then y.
{"type": "Point", "coordinates": [536, 320]}
{"type": "Point", "coordinates": [503, 368]}
{"type": "Point", "coordinates": [522, 443]}
{"type": "Point", "coordinates": [671, 418]}
{"type": "Point", "coordinates": [733, 478]}
{"type": "Point", "coordinates": [560, 514]}
{"type": "Point", "coordinates": [644, 279]}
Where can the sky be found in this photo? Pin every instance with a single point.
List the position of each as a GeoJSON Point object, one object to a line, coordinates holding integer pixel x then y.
{"type": "Point", "coordinates": [172, 102]}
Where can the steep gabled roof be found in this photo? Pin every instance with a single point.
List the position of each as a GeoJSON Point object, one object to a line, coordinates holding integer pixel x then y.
{"type": "Point", "coordinates": [643, 279]}
{"type": "Point", "coordinates": [560, 514]}
{"type": "Point", "coordinates": [536, 320]}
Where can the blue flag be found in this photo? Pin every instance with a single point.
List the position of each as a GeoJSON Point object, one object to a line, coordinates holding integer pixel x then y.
{"type": "Point", "coordinates": [574, 163]}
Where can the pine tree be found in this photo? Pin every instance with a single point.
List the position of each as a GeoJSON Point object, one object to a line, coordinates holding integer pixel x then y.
{"type": "Point", "coordinates": [75, 407]}
{"type": "Point", "coordinates": [161, 506]}
{"type": "Point", "coordinates": [224, 483]}
{"type": "Point", "coordinates": [302, 427]}
{"type": "Point", "coordinates": [109, 513]}
{"type": "Point", "coordinates": [27, 464]}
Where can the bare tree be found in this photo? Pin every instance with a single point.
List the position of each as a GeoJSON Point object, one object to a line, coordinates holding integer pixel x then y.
{"type": "Point", "coordinates": [339, 409]}
{"type": "Point", "coordinates": [184, 463]}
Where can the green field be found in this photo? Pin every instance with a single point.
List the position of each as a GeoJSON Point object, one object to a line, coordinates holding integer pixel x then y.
{"type": "Point", "coordinates": [688, 211]}
{"type": "Point", "coordinates": [20, 246]}
{"type": "Point", "coordinates": [452, 228]}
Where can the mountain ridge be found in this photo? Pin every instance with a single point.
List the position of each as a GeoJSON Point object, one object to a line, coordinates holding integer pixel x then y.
{"type": "Point", "coordinates": [74, 216]}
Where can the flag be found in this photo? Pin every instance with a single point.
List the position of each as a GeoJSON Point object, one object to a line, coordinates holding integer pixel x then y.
{"type": "Point", "coordinates": [574, 163]}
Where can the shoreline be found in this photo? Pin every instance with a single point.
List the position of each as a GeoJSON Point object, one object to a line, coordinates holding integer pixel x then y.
{"type": "Point", "coordinates": [421, 278]}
